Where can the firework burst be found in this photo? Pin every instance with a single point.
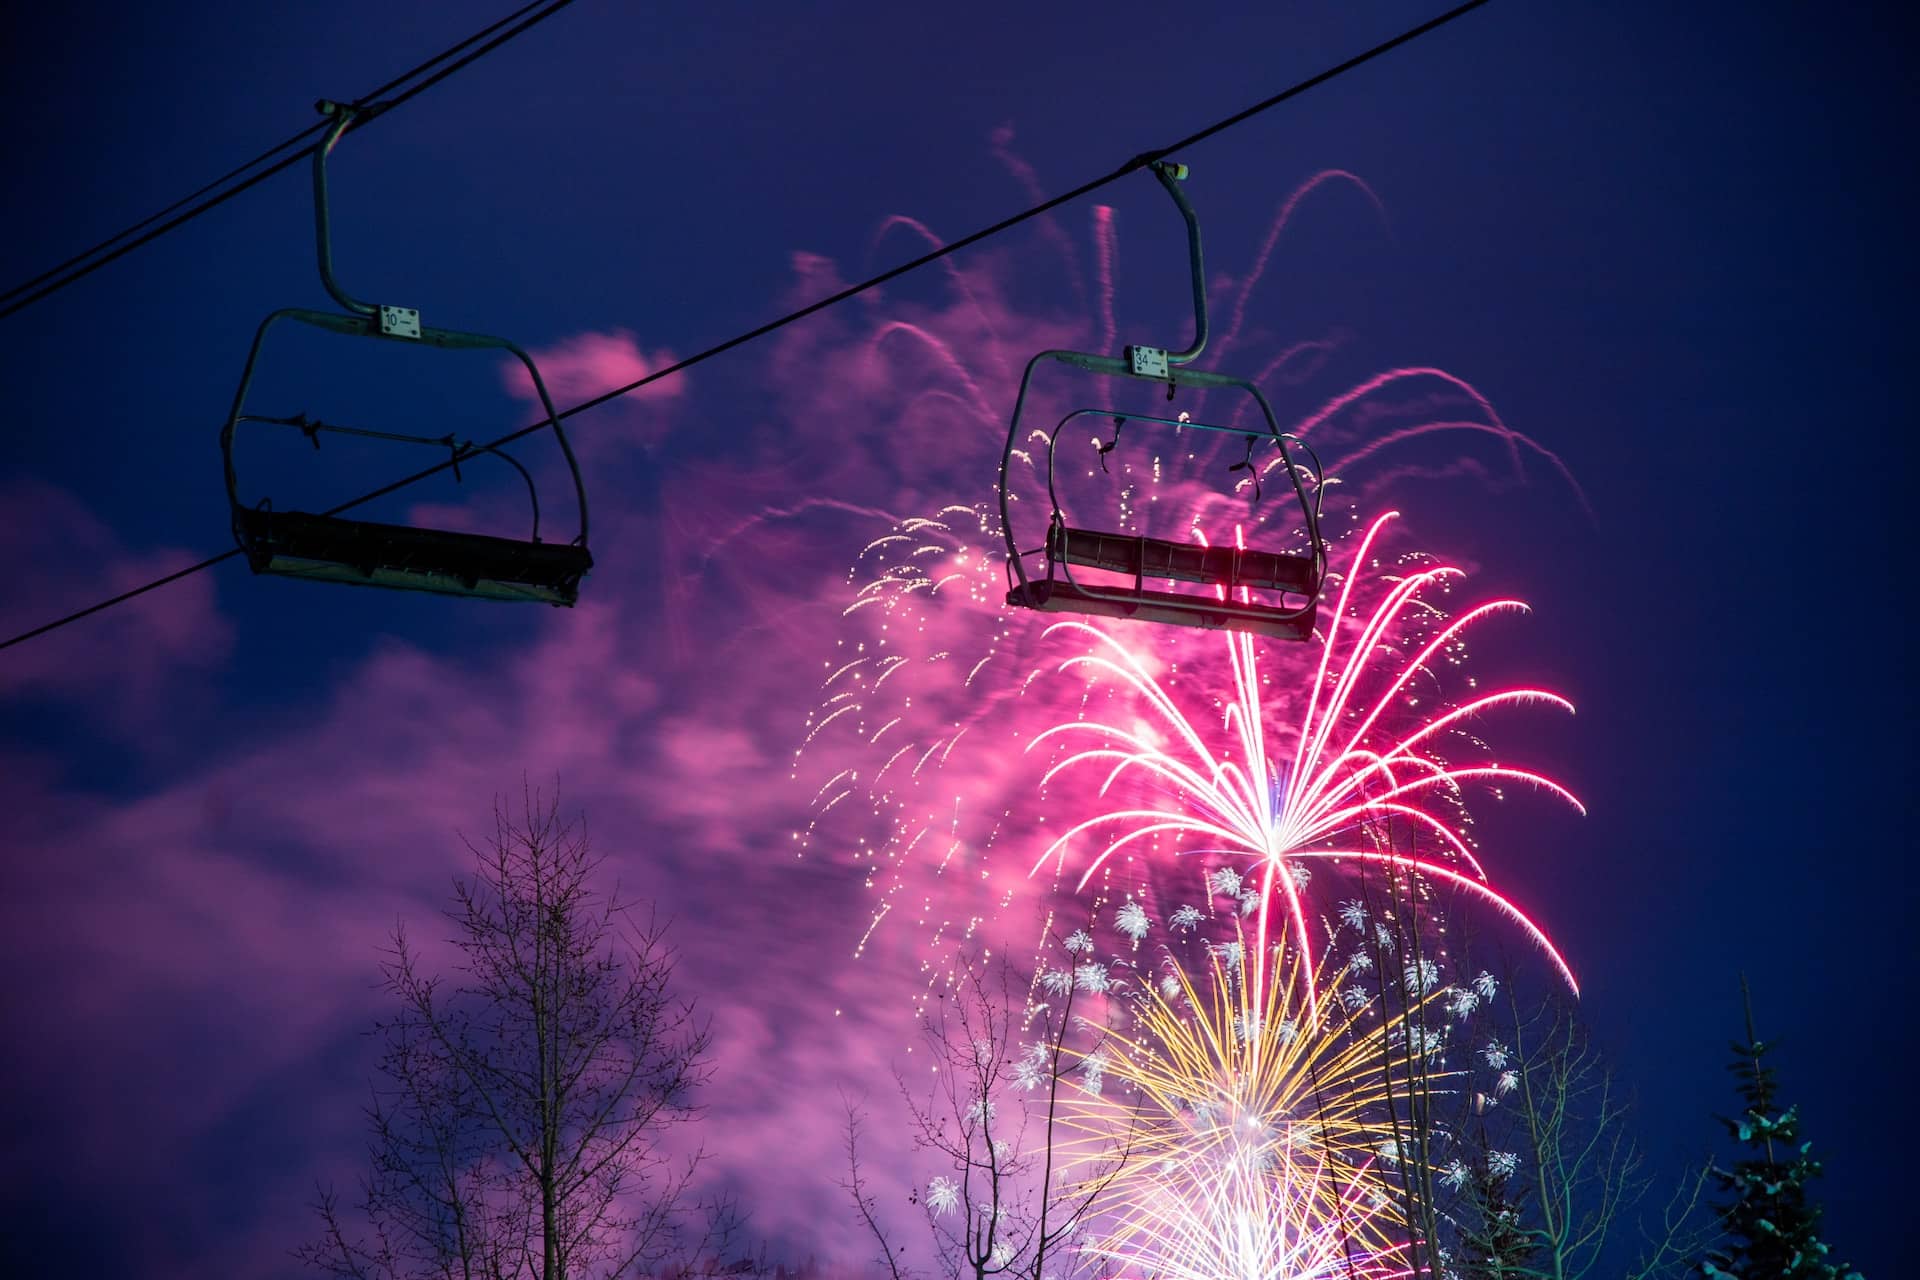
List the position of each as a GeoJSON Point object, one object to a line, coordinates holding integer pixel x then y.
{"type": "Point", "coordinates": [1355, 770]}
{"type": "Point", "coordinates": [1244, 1227]}
{"type": "Point", "coordinates": [1254, 1123]}
{"type": "Point", "coordinates": [912, 748]}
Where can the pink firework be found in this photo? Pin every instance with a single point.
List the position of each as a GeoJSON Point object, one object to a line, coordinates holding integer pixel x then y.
{"type": "Point", "coordinates": [911, 752]}
{"type": "Point", "coordinates": [1354, 767]}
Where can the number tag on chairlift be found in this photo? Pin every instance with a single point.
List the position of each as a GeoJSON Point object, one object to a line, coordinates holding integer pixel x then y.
{"type": "Point", "coordinates": [1147, 362]}
{"type": "Point", "coordinates": [399, 322]}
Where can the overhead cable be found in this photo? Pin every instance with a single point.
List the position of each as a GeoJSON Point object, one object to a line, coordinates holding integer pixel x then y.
{"type": "Point", "coordinates": [1137, 162]}
{"type": "Point", "coordinates": [118, 245]}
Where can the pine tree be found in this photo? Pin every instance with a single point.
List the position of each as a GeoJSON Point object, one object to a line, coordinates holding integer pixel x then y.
{"type": "Point", "coordinates": [1772, 1225]}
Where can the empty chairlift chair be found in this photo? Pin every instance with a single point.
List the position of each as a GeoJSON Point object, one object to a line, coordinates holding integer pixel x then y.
{"type": "Point", "coordinates": [1265, 592]}
{"type": "Point", "coordinates": [334, 548]}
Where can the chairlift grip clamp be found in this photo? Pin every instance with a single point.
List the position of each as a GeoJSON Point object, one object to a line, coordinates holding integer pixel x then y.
{"type": "Point", "coordinates": [345, 117]}
{"type": "Point", "coordinates": [356, 114]}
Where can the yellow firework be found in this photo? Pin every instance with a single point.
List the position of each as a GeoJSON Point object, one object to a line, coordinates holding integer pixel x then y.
{"type": "Point", "coordinates": [1265, 1139]}
{"type": "Point", "coordinates": [1246, 1224]}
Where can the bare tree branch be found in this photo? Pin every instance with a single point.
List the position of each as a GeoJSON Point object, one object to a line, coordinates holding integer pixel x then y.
{"type": "Point", "coordinates": [1005, 1206]}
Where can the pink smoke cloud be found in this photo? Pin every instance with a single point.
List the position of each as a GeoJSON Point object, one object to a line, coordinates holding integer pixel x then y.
{"type": "Point", "coordinates": [589, 365]}
{"type": "Point", "coordinates": [63, 557]}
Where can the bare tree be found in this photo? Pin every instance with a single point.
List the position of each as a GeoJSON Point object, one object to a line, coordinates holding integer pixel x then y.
{"type": "Point", "coordinates": [1011, 1202]}
{"type": "Point", "coordinates": [521, 1112]}
{"type": "Point", "coordinates": [1552, 1177]}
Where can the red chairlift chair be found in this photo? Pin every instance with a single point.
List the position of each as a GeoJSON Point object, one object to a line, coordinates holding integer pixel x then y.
{"type": "Point", "coordinates": [1265, 592]}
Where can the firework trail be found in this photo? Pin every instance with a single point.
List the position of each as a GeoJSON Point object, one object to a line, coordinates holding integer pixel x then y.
{"type": "Point", "coordinates": [1361, 759]}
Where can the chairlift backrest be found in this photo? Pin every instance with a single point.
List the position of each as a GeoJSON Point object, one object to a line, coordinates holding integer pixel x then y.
{"type": "Point", "coordinates": [328, 547]}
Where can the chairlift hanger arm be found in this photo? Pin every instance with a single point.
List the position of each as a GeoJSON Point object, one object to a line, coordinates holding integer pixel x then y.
{"type": "Point", "coordinates": [1171, 176]}
{"type": "Point", "coordinates": [344, 118]}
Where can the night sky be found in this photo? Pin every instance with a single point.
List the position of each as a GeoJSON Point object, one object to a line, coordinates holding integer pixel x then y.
{"type": "Point", "coordinates": [1663, 241]}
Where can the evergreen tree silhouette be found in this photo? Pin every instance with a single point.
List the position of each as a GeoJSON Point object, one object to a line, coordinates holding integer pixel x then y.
{"type": "Point", "coordinates": [1772, 1224]}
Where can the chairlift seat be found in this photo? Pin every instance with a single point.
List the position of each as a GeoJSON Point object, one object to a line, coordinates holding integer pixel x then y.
{"type": "Point", "coordinates": [1242, 589]}
{"type": "Point", "coordinates": [297, 544]}
{"type": "Point", "coordinates": [1057, 595]}
{"type": "Point", "coordinates": [1142, 557]}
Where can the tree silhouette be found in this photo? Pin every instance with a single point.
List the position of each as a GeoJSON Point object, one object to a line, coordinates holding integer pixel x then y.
{"type": "Point", "coordinates": [520, 1111]}
{"type": "Point", "coordinates": [1771, 1222]}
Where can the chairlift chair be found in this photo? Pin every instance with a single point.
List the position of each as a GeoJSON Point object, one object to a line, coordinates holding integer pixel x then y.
{"type": "Point", "coordinates": [1271, 593]}
{"type": "Point", "coordinates": [333, 548]}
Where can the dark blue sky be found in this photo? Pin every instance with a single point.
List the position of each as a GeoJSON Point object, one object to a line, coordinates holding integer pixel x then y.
{"type": "Point", "coordinates": [1667, 242]}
